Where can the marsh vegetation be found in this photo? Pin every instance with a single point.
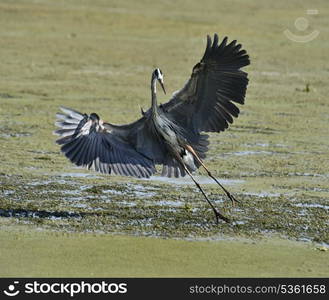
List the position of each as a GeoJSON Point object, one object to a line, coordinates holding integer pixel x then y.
{"type": "Point", "coordinates": [97, 56]}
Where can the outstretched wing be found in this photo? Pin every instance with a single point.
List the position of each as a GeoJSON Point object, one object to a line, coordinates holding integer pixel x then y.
{"type": "Point", "coordinates": [205, 102]}
{"type": "Point", "coordinates": [87, 141]}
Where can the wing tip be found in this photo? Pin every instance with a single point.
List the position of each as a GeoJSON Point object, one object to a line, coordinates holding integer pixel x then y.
{"type": "Point", "coordinates": [215, 41]}
{"type": "Point", "coordinates": [225, 49]}
{"type": "Point", "coordinates": [208, 46]}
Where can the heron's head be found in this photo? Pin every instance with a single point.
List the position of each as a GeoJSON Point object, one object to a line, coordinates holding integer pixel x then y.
{"type": "Point", "coordinates": [157, 74]}
{"type": "Point", "coordinates": [94, 117]}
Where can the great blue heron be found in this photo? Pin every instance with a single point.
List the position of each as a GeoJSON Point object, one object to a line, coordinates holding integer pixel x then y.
{"type": "Point", "coordinates": [169, 134]}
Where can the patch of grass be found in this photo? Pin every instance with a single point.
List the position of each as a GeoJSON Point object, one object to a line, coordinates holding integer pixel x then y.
{"type": "Point", "coordinates": [54, 254]}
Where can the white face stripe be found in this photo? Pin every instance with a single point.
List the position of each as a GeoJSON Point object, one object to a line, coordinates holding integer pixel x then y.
{"type": "Point", "coordinates": [160, 75]}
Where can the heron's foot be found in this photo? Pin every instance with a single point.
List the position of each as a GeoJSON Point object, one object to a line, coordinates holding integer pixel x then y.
{"type": "Point", "coordinates": [218, 216]}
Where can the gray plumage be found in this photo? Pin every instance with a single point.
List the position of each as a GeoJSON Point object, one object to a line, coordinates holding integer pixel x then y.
{"type": "Point", "coordinates": [170, 134]}
{"type": "Point", "coordinates": [203, 104]}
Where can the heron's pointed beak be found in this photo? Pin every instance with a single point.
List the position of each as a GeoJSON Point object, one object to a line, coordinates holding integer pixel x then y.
{"type": "Point", "coordinates": [161, 83]}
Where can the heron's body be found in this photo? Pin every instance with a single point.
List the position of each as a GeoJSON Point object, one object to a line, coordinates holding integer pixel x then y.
{"type": "Point", "coordinates": [169, 134]}
{"type": "Point", "coordinates": [173, 140]}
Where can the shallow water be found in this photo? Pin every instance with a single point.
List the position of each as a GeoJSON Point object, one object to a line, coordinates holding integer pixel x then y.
{"type": "Point", "coordinates": [82, 175]}
{"type": "Point", "coordinates": [249, 152]}
{"type": "Point", "coordinates": [198, 178]}
{"type": "Point", "coordinates": [169, 203]}
{"type": "Point", "coordinates": [312, 205]}
{"type": "Point", "coordinates": [11, 135]}
{"type": "Point", "coordinates": [264, 194]}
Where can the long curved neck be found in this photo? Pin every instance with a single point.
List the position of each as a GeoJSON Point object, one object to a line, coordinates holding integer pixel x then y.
{"type": "Point", "coordinates": [154, 96]}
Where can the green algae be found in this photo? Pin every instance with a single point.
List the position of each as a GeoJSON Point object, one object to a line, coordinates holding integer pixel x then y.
{"type": "Point", "coordinates": [93, 57]}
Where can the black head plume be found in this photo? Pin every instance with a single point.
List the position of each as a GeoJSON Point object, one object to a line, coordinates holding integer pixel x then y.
{"type": "Point", "coordinates": [157, 73]}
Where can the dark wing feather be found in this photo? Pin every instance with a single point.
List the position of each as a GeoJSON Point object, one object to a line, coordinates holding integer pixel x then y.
{"type": "Point", "coordinates": [172, 168]}
{"type": "Point", "coordinates": [205, 102]}
{"type": "Point", "coordinates": [89, 142]}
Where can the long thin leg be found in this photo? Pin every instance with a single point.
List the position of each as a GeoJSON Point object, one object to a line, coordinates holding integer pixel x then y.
{"type": "Point", "coordinates": [229, 195]}
{"type": "Point", "coordinates": [218, 215]}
